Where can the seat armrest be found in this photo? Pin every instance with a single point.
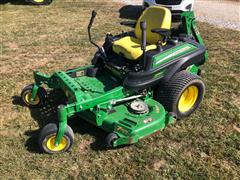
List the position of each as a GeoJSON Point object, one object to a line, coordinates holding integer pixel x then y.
{"type": "Point", "coordinates": [129, 23]}
{"type": "Point", "coordinates": [161, 31]}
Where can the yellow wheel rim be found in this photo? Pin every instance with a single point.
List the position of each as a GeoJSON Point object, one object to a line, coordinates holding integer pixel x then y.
{"type": "Point", "coordinates": [28, 101]}
{"type": "Point", "coordinates": [51, 144]}
{"type": "Point", "coordinates": [188, 99]}
{"type": "Point", "coordinates": [38, 1]}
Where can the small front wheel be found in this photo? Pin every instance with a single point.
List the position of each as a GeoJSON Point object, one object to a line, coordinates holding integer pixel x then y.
{"type": "Point", "coordinates": [111, 137]}
{"type": "Point", "coordinates": [26, 96]}
{"type": "Point", "coordinates": [48, 136]}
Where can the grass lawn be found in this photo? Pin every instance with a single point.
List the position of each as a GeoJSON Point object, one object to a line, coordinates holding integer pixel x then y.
{"type": "Point", "coordinates": [205, 145]}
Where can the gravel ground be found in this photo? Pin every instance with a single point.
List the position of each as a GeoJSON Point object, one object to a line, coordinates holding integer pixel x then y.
{"type": "Point", "coordinates": [221, 13]}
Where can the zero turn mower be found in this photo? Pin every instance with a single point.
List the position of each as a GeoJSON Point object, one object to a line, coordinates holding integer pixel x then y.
{"type": "Point", "coordinates": [138, 82]}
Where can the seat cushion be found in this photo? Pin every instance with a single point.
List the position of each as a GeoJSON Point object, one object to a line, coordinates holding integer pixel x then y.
{"type": "Point", "coordinates": [130, 47]}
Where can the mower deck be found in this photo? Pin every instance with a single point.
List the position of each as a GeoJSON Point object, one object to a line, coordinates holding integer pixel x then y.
{"type": "Point", "coordinates": [130, 126]}
{"type": "Point", "coordinates": [101, 101]}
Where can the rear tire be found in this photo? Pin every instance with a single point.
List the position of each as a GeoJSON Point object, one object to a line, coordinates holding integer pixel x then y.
{"type": "Point", "coordinates": [182, 94]}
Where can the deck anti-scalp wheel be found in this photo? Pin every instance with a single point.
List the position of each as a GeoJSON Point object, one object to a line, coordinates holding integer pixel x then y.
{"type": "Point", "coordinates": [40, 2]}
{"type": "Point", "coordinates": [26, 95]}
{"type": "Point", "coordinates": [47, 139]}
{"type": "Point", "coordinates": [111, 137]}
{"type": "Point", "coordinates": [182, 94]}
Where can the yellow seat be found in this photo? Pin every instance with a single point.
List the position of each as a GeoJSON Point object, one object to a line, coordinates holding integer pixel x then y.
{"type": "Point", "coordinates": [130, 47]}
{"type": "Point", "coordinates": [155, 17]}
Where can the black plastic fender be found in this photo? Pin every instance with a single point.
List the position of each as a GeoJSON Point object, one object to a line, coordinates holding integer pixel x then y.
{"type": "Point", "coordinates": [197, 58]}
{"type": "Point", "coordinates": [149, 78]}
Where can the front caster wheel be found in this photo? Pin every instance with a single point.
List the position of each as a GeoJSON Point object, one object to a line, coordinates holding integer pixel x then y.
{"type": "Point", "coordinates": [110, 139]}
{"type": "Point", "coordinates": [48, 136]}
{"type": "Point", "coordinates": [26, 95]}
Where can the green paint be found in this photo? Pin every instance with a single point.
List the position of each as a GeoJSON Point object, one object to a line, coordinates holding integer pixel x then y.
{"type": "Point", "coordinates": [62, 118]}
{"type": "Point", "coordinates": [160, 74]}
{"type": "Point", "coordinates": [34, 92]}
{"type": "Point", "coordinates": [193, 69]}
{"type": "Point", "coordinates": [81, 68]}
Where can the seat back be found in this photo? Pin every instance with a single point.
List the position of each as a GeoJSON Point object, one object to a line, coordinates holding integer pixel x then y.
{"type": "Point", "coordinates": [155, 17]}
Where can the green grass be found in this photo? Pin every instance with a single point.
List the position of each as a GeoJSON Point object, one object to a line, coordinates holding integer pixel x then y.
{"type": "Point", "coordinates": [204, 146]}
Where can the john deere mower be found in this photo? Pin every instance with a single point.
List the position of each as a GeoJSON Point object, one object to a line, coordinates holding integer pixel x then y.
{"type": "Point", "coordinates": [138, 82]}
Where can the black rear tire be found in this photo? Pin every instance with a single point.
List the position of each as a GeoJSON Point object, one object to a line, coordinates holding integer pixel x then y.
{"type": "Point", "coordinates": [182, 94]}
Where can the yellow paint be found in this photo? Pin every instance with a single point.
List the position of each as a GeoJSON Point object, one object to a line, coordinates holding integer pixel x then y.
{"type": "Point", "coordinates": [51, 144]}
{"type": "Point", "coordinates": [130, 47]}
{"type": "Point", "coordinates": [188, 99]}
{"type": "Point", "coordinates": [28, 101]}
{"type": "Point", "coordinates": [38, 1]}
{"type": "Point", "coordinates": [155, 17]}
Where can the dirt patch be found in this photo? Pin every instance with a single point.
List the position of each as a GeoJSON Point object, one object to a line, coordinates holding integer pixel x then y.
{"type": "Point", "coordinates": [159, 164]}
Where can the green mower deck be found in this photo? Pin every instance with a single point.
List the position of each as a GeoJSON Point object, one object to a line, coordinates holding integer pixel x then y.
{"type": "Point", "coordinates": [97, 100]}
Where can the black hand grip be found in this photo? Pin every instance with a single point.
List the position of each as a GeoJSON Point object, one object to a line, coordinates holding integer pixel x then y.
{"type": "Point", "coordinates": [161, 31]}
{"type": "Point", "coordinates": [129, 23]}
{"type": "Point", "coordinates": [94, 13]}
{"type": "Point", "coordinates": [143, 26]}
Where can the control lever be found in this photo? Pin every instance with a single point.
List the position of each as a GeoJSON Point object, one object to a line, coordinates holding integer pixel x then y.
{"type": "Point", "coordinates": [143, 26]}
{"type": "Point", "coordinates": [100, 49]}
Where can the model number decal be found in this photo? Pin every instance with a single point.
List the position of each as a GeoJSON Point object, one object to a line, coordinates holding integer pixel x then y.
{"type": "Point", "coordinates": [174, 54]}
